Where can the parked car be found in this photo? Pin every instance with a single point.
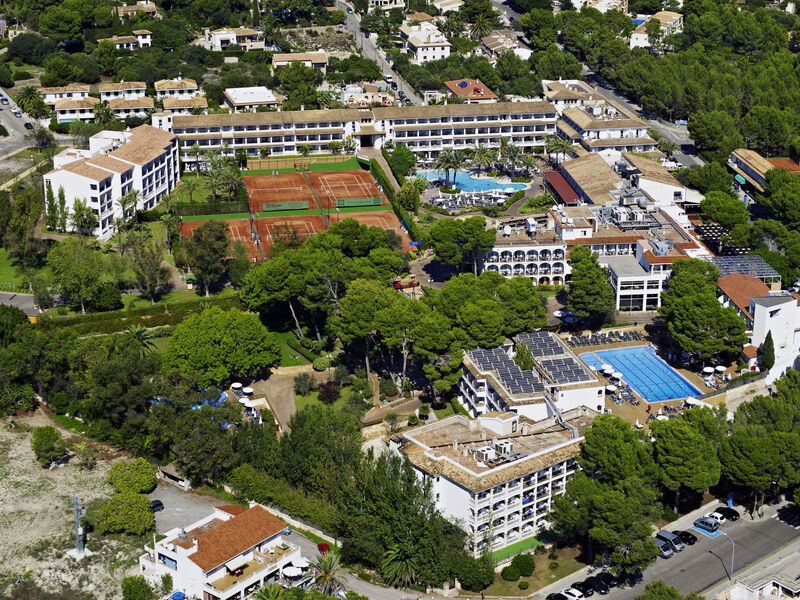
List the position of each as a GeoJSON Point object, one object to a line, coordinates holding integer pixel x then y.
{"type": "Point", "coordinates": [388, 78]}
{"type": "Point", "coordinates": [556, 597]}
{"type": "Point", "coordinates": [16, 113]}
{"type": "Point", "coordinates": [687, 538]}
{"type": "Point", "coordinates": [584, 588]}
{"type": "Point", "coordinates": [28, 125]}
{"type": "Point", "coordinates": [572, 593]}
{"type": "Point", "coordinates": [706, 524]}
{"type": "Point", "coordinates": [394, 85]}
{"type": "Point", "coordinates": [716, 516]}
{"type": "Point", "coordinates": [349, 11]}
{"type": "Point", "coordinates": [597, 585]}
{"type": "Point", "coordinates": [664, 548]}
{"type": "Point", "coordinates": [323, 548]}
{"type": "Point", "coordinates": [607, 578]}
{"type": "Point", "coordinates": [156, 505]}
{"type": "Point", "coordinates": [728, 513]}
{"type": "Point", "coordinates": [4, 100]}
{"type": "Point", "coordinates": [673, 540]}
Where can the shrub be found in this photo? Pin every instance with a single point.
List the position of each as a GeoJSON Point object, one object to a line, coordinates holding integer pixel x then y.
{"type": "Point", "coordinates": [47, 444]}
{"type": "Point", "coordinates": [321, 363]}
{"type": "Point", "coordinates": [413, 420]}
{"type": "Point", "coordinates": [523, 585]}
{"type": "Point", "coordinates": [510, 573]}
{"type": "Point", "coordinates": [363, 385]}
{"type": "Point", "coordinates": [341, 375]}
{"type": "Point", "coordinates": [553, 555]}
{"type": "Point", "coordinates": [475, 574]}
{"type": "Point", "coordinates": [136, 476]}
{"type": "Point", "coordinates": [21, 75]}
{"type": "Point", "coordinates": [304, 384]}
{"type": "Point", "coordinates": [329, 392]}
{"type": "Point", "coordinates": [524, 564]}
{"type": "Point", "coordinates": [668, 514]}
{"type": "Point", "coordinates": [136, 588]}
{"type": "Point", "coordinates": [125, 513]}
{"type": "Point", "coordinates": [388, 388]}
{"type": "Point", "coordinates": [3, 131]}
{"type": "Point", "coordinates": [540, 550]}
{"type": "Point", "coordinates": [553, 565]}
{"type": "Point", "coordinates": [166, 583]}
{"type": "Point", "coordinates": [106, 297]}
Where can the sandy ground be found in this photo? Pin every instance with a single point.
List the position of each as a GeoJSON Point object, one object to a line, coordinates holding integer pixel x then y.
{"type": "Point", "coordinates": [37, 523]}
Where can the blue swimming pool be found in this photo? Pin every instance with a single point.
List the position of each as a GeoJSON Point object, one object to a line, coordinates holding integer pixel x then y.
{"type": "Point", "coordinates": [648, 375]}
{"type": "Point", "coordinates": [469, 183]}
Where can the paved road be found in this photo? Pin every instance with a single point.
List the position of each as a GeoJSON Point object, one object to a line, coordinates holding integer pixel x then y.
{"type": "Point", "coordinates": [687, 155]}
{"type": "Point", "coordinates": [22, 301]}
{"type": "Point", "coordinates": [504, 6]}
{"type": "Point", "coordinates": [181, 508]}
{"type": "Point", "coordinates": [15, 125]}
{"type": "Point", "coordinates": [370, 51]}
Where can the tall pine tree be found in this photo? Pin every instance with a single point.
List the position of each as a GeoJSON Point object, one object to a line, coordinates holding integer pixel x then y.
{"type": "Point", "coordinates": [63, 213]}
{"type": "Point", "coordinates": [768, 352]}
{"type": "Point", "coordinates": [51, 211]}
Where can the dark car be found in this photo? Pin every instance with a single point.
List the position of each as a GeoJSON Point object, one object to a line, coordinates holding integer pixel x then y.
{"type": "Point", "coordinates": [597, 585]}
{"type": "Point", "coordinates": [28, 125]}
{"type": "Point", "coordinates": [349, 11]}
{"type": "Point", "coordinates": [556, 597]}
{"type": "Point", "coordinates": [584, 588]}
{"type": "Point", "coordinates": [687, 538]}
{"type": "Point", "coordinates": [394, 85]}
{"type": "Point", "coordinates": [728, 513]}
{"type": "Point", "coordinates": [156, 505]}
{"type": "Point", "coordinates": [607, 578]}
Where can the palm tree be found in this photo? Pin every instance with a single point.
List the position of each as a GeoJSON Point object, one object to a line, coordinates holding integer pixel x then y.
{"type": "Point", "coordinates": [103, 114]}
{"type": "Point", "coordinates": [398, 567]}
{"type": "Point", "coordinates": [557, 145]}
{"type": "Point", "coordinates": [144, 337]}
{"type": "Point", "coordinates": [270, 591]}
{"type": "Point", "coordinates": [214, 181]}
{"type": "Point", "coordinates": [505, 143]}
{"type": "Point", "coordinates": [459, 159]}
{"type": "Point", "coordinates": [119, 224]}
{"type": "Point", "coordinates": [480, 156]}
{"type": "Point", "coordinates": [513, 156]}
{"type": "Point", "coordinates": [481, 27]}
{"type": "Point", "coordinates": [444, 162]}
{"type": "Point", "coordinates": [191, 186]}
{"type": "Point", "coordinates": [667, 146]}
{"type": "Point", "coordinates": [195, 150]}
{"type": "Point", "coordinates": [133, 197]}
{"type": "Point", "coordinates": [231, 180]}
{"type": "Point", "coordinates": [325, 575]}
{"type": "Point", "coordinates": [170, 221]}
{"type": "Point", "coordinates": [83, 218]}
{"type": "Point", "coordinates": [125, 205]}
{"type": "Point", "coordinates": [27, 96]}
{"type": "Point", "coordinates": [528, 162]}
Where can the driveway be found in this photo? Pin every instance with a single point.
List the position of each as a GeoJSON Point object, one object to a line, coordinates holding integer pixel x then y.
{"type": "Point", "coordinates": [181, 508]}
{"type": "Point", "coordinates": [22, 301]}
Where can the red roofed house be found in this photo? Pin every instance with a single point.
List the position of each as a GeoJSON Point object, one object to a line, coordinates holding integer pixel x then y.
{"type": "Point", "coordinates": [226, 555]}
{"type": "Point", "coordinates": [764, 311]}
{"type": "Point", "coordinates": [472, 91]}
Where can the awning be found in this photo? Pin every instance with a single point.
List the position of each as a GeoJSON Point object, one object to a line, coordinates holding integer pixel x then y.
{"type": "Point", "coordinates": [739, 179]}
{"type": "Point", "coordinates": [292, 572]}
{"type": "Point", "coordinates": [236, 563]}
{"type": "Point", "coordinates": [301, 562]}
{"type": "Point", "coordinates": [256, 403]}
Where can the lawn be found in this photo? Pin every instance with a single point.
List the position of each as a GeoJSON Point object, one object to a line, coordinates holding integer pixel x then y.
{"type": "Point", "coordinates": [351, 164]}
{"type": "Point", "coordinates": [8, 273]}
{"type": "Point", "coordinates": [198, 195]}
{"type": "Point", "coordinates": [286, 352]}
{"type": "Point", "coordinates": [542, 575]}
{"type": "Point", "coordinates": [300, 402]}
{"type": "Point", "coordinates": [138, 301]}
{"type": "Point", "coordinates": [441, 413]}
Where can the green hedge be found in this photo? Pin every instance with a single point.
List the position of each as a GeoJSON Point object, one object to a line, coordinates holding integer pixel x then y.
{"type": "Point", "coordinates": [151, 316]}
{"type": "Point", "coordinates": [295, 345]}
{"type": "Point", "coordinates": [746, 378]}
{"type": "Point", "coordinates": [211, 208]}
{"type": "Point", "coordinates": [402, 214]}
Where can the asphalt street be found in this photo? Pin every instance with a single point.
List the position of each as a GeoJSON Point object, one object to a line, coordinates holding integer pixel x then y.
{"type": "Point", "coordinates": [22, 301]}
{"type": "Point", "coordinates": [15, 126]}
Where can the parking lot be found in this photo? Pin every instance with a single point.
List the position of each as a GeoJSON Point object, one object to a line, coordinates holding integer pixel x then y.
{"type": "Point", "coordinates": [181, 508]}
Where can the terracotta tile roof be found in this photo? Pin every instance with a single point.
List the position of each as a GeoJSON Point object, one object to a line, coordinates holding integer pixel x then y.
{"type": "Point", "coordinates": [73, 103]}
{"type": "Point", "coordinates": [84, 169]}
{"type": "Point", "coordinates": [146, 143]}
{"type": "Point", "coordinates": [122, 103]}
{"type": "Point", "coordinates": [122, 85]}
{"type": "Point", "coordinates": [740, 288]}
{"type": "Point", "coordinates": [470, 89]}
{"type": "Point", "coordinates": [142, 32]}
{"type": "Point", "coordinates": [112, 164]}
{"type": "Point", "coordinates": [119, 39]}
{"type": "Point", "coordinates": [200, 101]}
{"type": "Point", "coordinates": [245, 530]}
{"type": "Point", "coordinates": [232, 509]}
{"type": "Point", "coordinates": [750, 351]}
{"type": "Point", "coordinates": [175, 84]}
{"type": "Point", "coordinates": [73, 87]}
{"type": "Point", "coordinates": [314, 57]}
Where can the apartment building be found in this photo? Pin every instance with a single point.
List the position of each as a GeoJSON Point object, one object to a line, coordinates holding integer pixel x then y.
{"type": "Point", "coordinates": [176, 88]}
{"type": "Point", "coordinates": [124, 90]}
{"type": "Point", "coordinates": [141, 38]}
{"type": "Point", "coordinates": [426, 130]}
{"type": "Point", "coordinates": [219, 39]}
{"type": "Point", "coordinates": [226, 555]}
{"type": "Point", "coordinates": [131, 10]}
{"type": "Point", "coordinates": [135, 107]}
{"type": "Point", "coordinates": [569, 93]}
{"type": "Point", "coordinates": [74, 91]}
{"type": "Point", "coordinates": [606, 5]}
{"type": "Point", "coordinates": [314, 60]}
{"type": "Point", "coordinates": [496, 476]}
{"type": "Point", "coordinates": [471, 91]}
{"type": "Point", "coordinates": [185, 105]}
{"type": "Point", "coordinates": [424, 42]}
{"type": "Point", "coordinates": [249, 98]}
{"type": "Point", "coordinates": [559, 382]}
{"type": "Point", "coordinates": [525, 247]}
{"type": "Point", "coordinates": [78, 109]}
{"type": "Point", "coordinates": [606, 127]}
{"type": "Point", "coordinates": [750, 168]}
{"type": "Point", "coordinates": [671, 23]}
{"type": "Point", "coordinates": [144, 159]}
{"type": "Point", "coordinates": [386, 5]}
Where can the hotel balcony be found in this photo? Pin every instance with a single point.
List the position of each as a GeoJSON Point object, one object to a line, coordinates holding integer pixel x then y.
{"type": "Point", "coordinates": [258, 566]}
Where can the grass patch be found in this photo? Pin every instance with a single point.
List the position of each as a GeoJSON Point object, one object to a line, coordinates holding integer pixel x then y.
{"type": "Point", "coordinates": [542, 575]}
{"type": "Point", "coordinates": [227, 496]}
{"type": "Point", "coordinates": [441, 413]}
{"type": "Point", "coordinates": [301, 402]}
{"type": "Point", "coordinates": [351, 164]}
{"type": "Point", "coordinates": [516, 548]}
{"type": "Point", "coordinates": [312, 536]}
{"type": "Point", "coordinates": [286, 352]}
{"type": "Point", "coordinates": [8, 272]}
{"type": "Point", "coordinates": [69, 424]}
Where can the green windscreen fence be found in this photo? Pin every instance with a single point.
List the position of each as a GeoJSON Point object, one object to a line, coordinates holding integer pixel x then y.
{"type": "Point", "coordinates": [291, 205]}
{"type": "Point", "coordinates": [346, 202]}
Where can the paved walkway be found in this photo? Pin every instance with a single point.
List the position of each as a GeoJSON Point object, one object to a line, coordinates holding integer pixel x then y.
{"type": "Point", "coordinates": [378, 156]}
{"type": "Point", "coordinates": [22, 301]}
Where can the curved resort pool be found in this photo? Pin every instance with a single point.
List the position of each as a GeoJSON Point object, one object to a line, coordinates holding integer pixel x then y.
{"type": "Point", "coordinates": [469, 183]}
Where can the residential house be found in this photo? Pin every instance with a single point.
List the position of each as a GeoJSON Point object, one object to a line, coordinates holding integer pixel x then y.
{"type": "Point", "coordinates": [750, 168]}
{"type": "Point", "coordinates": [386, 5]}
{"type": "Point", "coordinates": [424, 42]}
{"type": "Point", "coordinates": [141, 38]}
{"type": "Point", "coordinates": [176, 88]}
{"type": "Point", "coordinates": [74, 91]}
{"type": "Point", "coordinates": [131, 10]}
{"type": "Point", "coordinates": [671, 23]}
{"type": "Point", "coordinates": [249, 99]}
{"type": "Point", "coordinates": [502, 40]}
{"type": "Point", "coordinates": [606, 127]}
{"type": "Point", "coordinates": [446, 6]}
{"type": "Point", "coordinates": [135, 107]}
{"type": "Point", "coordinates": [124, 90]}
{"type": "Point", "coordinates": [143, 159]}
{"type": "Point", "coordinates": [471, 91]}
{"type": "Point", "coordinates": [219, 39]}
{"type": "Point", "coordinates": [496, 476]}
{"type": "Point", "coordinates": [317, 60]}
{"type": "Point", "coordinates": [226, 555]}
{"type": "Point", "coordinates": [78, 109]}
{"type": "Point", "coordinates": [569, 93]}
{"type": "Point", "coordinates": [606, 5]}
{"type": "Point", "coordinates": [186, 105]}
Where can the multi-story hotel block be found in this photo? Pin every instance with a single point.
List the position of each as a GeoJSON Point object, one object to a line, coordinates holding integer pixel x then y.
{"type": "Point", "coordinates": [426, 130]}
{"type": "Point", "coordinates": [525, 247]}
{"type": "Point", "coordinates": [496, 476]}
{"type": "Point", "coordinates": [227, 555]}
{"type": "Point", "coordinates": [143, 159]}
{"type": "Point", "coordinates": [124, 90]}
{"type": "Point", "coordinates": [605, 126]}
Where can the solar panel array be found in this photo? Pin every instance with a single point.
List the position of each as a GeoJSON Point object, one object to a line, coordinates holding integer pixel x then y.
{"type": "Point", "coordinates": [515, 379]}
{"type": "Point", "coordinates": [559, 365]}
{"type": "Point", "coordinates": [747, 265]}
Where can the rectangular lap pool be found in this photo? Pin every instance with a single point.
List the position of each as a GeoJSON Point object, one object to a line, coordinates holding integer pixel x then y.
{"type": "Point", "coordinates": [649, 376]}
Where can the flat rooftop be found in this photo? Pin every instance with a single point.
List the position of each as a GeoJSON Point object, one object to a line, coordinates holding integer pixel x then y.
{"type": "Point", "coordinates": [785, 572]}
{"type": "Point", "coordinates": [250, 95]}
{"type": "Point", "coordinates": [624, 266]}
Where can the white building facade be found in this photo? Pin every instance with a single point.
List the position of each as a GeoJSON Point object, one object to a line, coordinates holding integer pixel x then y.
{"type": "Point", "coordinates": [424, 42]}
{"type": "Point", "coordinates": [51, 95]}
{"type": "Point", "coordinates": [124, 90]}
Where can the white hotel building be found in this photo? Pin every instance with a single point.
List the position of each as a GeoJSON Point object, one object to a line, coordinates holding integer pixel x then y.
{"type": "Point", "coordinates": [426, 130]}
{"type": "Point", "coordinates": [227, 555]}
{"type": "Point", "coordinates": [143, 159]}
{"type": "Point", "coordinates": [496, 476]}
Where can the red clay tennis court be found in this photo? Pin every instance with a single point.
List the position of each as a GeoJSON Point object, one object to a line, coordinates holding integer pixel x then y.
{"type": "Point", "coordinates": [238, 231]}
{"type": "Point", "coordinates": [285, 191]}
{"type": "Point", "coordinates": [346, 189]}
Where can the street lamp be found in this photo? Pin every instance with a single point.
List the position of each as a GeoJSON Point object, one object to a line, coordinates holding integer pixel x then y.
{"type": "Point", "coordinates": [733, 550]}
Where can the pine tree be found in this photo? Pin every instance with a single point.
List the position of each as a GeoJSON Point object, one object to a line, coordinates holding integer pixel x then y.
{"type": "Point", "coordinates": [523, 357]}
{"type": "Point", "coordinates": [51, 214]}
{"type": "Point", "coordinates": [63, 213]}
{"type": "Point", "coordinates": [768, 352]}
